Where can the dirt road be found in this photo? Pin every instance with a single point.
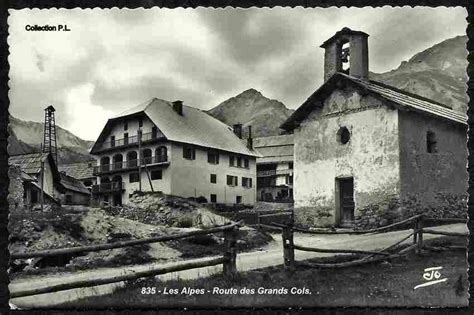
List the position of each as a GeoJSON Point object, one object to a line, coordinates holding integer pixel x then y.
{"type": "Point", "coordinates": [271, 255]}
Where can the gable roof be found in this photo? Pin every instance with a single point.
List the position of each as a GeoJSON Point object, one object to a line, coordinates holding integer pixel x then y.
{"type": "Point", "coordinates": [399, 98]}
{"type": "Point", "coordinates": [31, 164]}
{"type": "Point", "coordinates": [82, 170]}
{"type": "Point", "coordinates": [193, 127]}
{"type": "Point", "coordinates": [275, 148]}
{"type": "Point", "coordinates": [70, 183]}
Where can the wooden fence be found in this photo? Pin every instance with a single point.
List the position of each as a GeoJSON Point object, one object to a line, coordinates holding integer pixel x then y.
{"type": "Point", "coordinates": [264, 217]}
{"type": "Point", "coordinates": [418, 222]}
{"type": "Point", "coordinates": [228, 260]}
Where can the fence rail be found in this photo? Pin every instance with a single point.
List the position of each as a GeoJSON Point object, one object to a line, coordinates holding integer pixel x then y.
{"type": "Point", "coordinates": [100, 247]}
{"type": "Point", "coordinates": [418, 222]}
{"type": "Point", "coordinates": [228, 260]}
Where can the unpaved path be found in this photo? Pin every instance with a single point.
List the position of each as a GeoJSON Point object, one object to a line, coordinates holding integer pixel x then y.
{"type": "Point", "coordinates": [271, 255]}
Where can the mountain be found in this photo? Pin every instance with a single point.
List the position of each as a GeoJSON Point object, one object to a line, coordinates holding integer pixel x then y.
{"type": "Point", "coordinates": [251, 108]}
{"type": "Point", "coordinates": [27, 136]}
{"type": "Point", "coordinates": [438, 73]}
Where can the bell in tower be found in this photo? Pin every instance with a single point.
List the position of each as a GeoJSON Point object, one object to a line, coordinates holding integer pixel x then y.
{"type": "Point", "coordinates": [347, 52]}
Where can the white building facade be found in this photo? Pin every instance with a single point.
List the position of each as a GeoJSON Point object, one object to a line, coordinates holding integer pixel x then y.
{"type": "Point", "coordinates": [182, 151]}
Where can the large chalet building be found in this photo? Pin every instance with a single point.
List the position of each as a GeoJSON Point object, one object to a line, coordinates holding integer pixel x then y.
{"type": "Point", "coordinates": [367, 153]}
{"type": "Point", "coordinates": [182, 151]}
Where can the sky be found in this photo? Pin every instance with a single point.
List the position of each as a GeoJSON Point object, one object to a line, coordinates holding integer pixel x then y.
{"type": "Point", "coordinates": [114, 59]}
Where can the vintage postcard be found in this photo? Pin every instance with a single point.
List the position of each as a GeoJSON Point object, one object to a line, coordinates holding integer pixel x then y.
{"type": "Point", "coordinates": [285, 157]}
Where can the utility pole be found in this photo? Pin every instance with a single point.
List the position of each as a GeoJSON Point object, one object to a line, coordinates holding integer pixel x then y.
{"type": "Point", "coordinates": [42, 181]}
{"type": "Point", "coordinates": [139, 159]}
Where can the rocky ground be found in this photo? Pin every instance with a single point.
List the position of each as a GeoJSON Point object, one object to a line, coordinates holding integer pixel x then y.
{"type": "Point", "coordinates": [149, 215]}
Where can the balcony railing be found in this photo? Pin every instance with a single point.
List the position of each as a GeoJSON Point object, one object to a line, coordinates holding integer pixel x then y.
{"type": "Point", "coordinates": [108, 187]}
{"type": "Point", "coordinates": [131, 164]}
{"type": "Point", "coordinates": [274, 173]}
{"type": "Point", "coordinates": [131, 140]}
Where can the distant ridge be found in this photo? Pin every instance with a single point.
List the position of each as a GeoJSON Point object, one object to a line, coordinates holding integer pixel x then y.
{"type": "Point", "coordinates": [252, 108]}
{"type": "Point", "coordinates": [27, 136]}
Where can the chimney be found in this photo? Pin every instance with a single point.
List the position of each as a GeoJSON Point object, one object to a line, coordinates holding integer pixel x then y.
{"type": "Point", "coordinates": [347, 48]}
{"type": "Point", "coordinates": [178, 107]}
{"type": "Point", "coordinates": [238, 130]}
{"type": "Point", "coordinates": [249, 139]}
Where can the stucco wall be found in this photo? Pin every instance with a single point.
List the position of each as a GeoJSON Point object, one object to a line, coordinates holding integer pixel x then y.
{"type": "Point", "coordinates": [371, 156]}
{"type": "Point", "coordinates": [433, 181]}
{"type": "Point", "coordinates": [191, 178]}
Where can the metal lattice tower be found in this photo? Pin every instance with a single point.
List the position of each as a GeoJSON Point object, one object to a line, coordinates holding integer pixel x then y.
{"type": "Point", "coordinates": [49, 140]}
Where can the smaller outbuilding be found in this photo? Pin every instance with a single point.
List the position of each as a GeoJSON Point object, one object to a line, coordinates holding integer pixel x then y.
{"type": "Point", "coordinates": [36, 172]}
{"type": "Point", "coordinates": [76, 193]}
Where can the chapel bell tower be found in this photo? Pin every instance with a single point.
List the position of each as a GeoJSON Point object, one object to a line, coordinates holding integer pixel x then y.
{"type": "Point", "coordinates": [347, 52]}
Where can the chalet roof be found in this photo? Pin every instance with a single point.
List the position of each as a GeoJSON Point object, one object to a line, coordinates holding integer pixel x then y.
{"type": "Point", "coordinates": [31, 164]}
{"type": "Point", "coordinates": [193, 127]}
{"type": "Point", "coordinates": [275, 148]}
{"type": "Point", "coordinates": [70, 183]}
{"type": "Point", "coordinates": [82, 170]}
{"type": "Point", "coordinates": [399, 98]}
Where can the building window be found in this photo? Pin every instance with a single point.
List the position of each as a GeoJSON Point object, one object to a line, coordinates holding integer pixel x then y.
{"type": "Point", "coordinates": [343, 135]}
{"type": "Point", "coordinates": [112, 141]}
{"type": "Point", "coordinates": [431, 142]}
{"type": "Point", "coordinates": [238, 199]}
{"type": "Point", "coordinates": [289, 179]}
{"type": "Point", "coordinates": [134, 177]}
{"type": "Point", "coordinates": [125, 138]}
{"type": "Point", "coordinates": [125, 125]}
{"type": "Point", "coordinates": [156, 174]}
{"type": "Point", "coordinates": [213, 157]}
{"type": "Point", "coordinates": [140, 122]}
{"type": "Point", "coordinates": [239, 161]}
{"type": "Point", "coordinates": [189, 153]}
{"type": "Point", "coordinates": [246, 182]}
{"type": "Point", "coordinates": [232, 180]}
{"type": "Point", "coordinates": [290, 165]}
{"type": "Point", "coordinates": [213, 178]}
{"type": "Point", "coordinates": [213, 198]}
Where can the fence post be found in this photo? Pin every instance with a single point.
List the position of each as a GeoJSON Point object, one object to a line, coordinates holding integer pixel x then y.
{"type": "Point", "coordinates": [420, 235]}
{"type": "Point", "coordinates": [230, 252]}
{"type": "Point", "coordinates": [288, 249]}
{"type": "Point", "coordinates": [416, 226]}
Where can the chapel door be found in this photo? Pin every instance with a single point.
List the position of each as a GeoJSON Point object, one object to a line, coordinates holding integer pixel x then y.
{"type": "Point", "coordinates": [346, 201]}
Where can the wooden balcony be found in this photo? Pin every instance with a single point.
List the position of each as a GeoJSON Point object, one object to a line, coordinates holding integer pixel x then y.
{"type": "Point", "coordinates": [130, 165]}
{"type": "Point", "coordinates": [130, 141]}
{"type": "Point", "coordinates": [108, 188]}
{"type": "Point", "coordinates": [270, 173]}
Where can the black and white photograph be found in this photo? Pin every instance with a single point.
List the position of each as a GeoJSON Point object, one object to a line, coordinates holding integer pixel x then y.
{"type": "Point", "coordinates": [262, 157]}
